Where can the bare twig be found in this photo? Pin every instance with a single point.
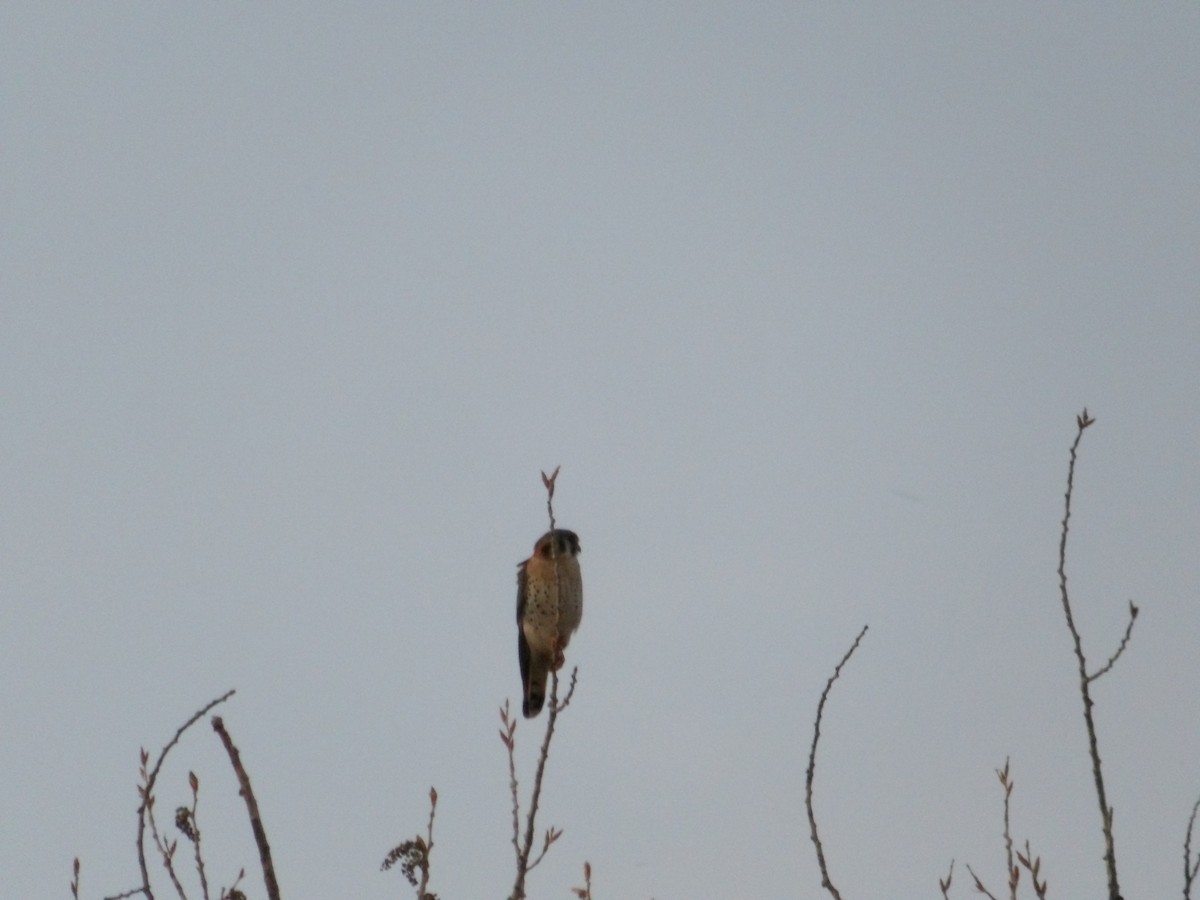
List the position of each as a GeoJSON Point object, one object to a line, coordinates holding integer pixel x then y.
{"type": "Point", "coordinates": [1133, 613]}
{"type": "Point", "coordinates": [1082, 422]}
{"type": "Point", "coordinates": [1033, 864]}
{"type": "Point", "coordinates": [147, 793]}
{"type": "Point", "coordinates": [812, 768]}
{"type": "Point", "coordinates": [1189, 868]}
{"type": "Point", "coordinates": [979, 884]}
{"type": "Point", "coordinates": [585, 892]}
{"type": "Point", "coordinates": [165, 850]}
{"type": "Point", "coordinates": [507, 736]}
{"type": "Point", "coordinates": [552, 834]}
{"type": "Point", "coordinates": [548, 481]}
{"type": "Point", "coordinates": [1014, 874]}
{"type": "Point", "coordinates": [190, 826]}
{"type": "Point", "coordinates": [566, 701]}
{"type": "Point", "coordinates": [232, 892]}
{"type": "Point", "coordinates": [247, 792]}
{"type": "Point", "coordinates": [944, 884]}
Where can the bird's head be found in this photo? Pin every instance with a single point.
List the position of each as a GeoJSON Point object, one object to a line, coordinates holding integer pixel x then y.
{"type": "Point", "coordinates": [559, 542]}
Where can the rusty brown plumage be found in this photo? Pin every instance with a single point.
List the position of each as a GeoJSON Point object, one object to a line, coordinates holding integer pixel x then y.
{"type": "Point", "coordinates": [549, 607]}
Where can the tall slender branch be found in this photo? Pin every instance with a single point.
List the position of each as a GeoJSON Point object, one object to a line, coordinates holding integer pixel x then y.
{"type": "Point", "coordinates": [812, 768]}
{"type": "Point", "coordinates": [192, 822]}
{"type": "Point", "coordinates": [256, 825]}
{"type": "Point", "coordinates": [1189, 868]}
{"type": "Point", "coordinates": [1083, 421]}
{"type": "Point", "coordinates": [1012, 873]}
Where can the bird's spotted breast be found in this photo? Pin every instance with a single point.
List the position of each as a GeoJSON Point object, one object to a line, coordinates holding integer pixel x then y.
{"type": "Point", "coordinates": [553, 601]}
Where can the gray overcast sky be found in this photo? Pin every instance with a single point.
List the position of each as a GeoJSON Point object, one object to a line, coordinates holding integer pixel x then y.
{"type": "Point", "coordinates": [297, 299]}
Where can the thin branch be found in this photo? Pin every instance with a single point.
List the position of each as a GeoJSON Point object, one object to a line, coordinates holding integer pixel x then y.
{"type": "Point", "coordinates": [585, 892]}
{"type": "Point", "coordinates": [1190, 869]}
{"type": "Point", "coordinates": [1033, 864]}
{"type": "Point", "coordinates": [232, 892]}
{"type": "Point", "coordinates": [526, 848]}
{"type": "Point", "coordinates": [548, 481]}
{"type": "Point", "coordinates": [944, 885]}
{"type": "Point", "coordinates": [552, 835]}
{"type": "Point", "coordinates": [566, 701]}
{"type": "Point", "coordinates": [979, 884]}
{"type": "Point", "coordinates": [167, 852]}
{"type": "Point", "coordinates": [1014, 873]}
{"type": "Point", "coordinates": [1082, 422]}
{"type": "Point", "coordinates": [812, 768]}
{"type": "Point", "coordinates": [421, 892]}
{"type": "Point", "coordinates": [147, 790]}
{"type": "Point", "coordinates": [194, 784]}
{"type": "Point", "coordinates": [1112, 660]}
{"type": "Point", "coordinates": [507, 734]}
{"type": "Point", "coordinates": [256, 825]}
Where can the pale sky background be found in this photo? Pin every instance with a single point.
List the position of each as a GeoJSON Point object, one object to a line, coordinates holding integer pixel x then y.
{"type": "Point", "coordinates": [297, 299]}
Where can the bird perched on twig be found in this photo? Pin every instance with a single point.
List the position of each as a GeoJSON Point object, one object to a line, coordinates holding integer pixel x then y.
{"type": "Point", "coordinates": [549, 607]}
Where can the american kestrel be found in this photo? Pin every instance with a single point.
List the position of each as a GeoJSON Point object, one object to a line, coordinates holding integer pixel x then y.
{"type": "Point", "coordinates": [549, 607]}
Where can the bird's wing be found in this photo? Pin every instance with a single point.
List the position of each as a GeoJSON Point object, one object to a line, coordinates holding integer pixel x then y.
{"type": "Point", "coordinates": [523, 652]}
{"type": "Point", "coordinates": [522, 588]}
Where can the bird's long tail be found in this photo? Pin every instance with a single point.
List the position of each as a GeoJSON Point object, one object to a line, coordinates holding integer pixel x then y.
{"type": "Point", "coordinates": [535, 674]}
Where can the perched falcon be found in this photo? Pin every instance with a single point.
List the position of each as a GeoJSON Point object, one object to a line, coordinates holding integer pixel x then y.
{"type": "Point", "coordinates": [549, 607]}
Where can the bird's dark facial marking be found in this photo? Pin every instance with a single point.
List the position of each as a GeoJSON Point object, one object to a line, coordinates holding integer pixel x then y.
{"type": "Point", "coordinates": [557, 543]}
